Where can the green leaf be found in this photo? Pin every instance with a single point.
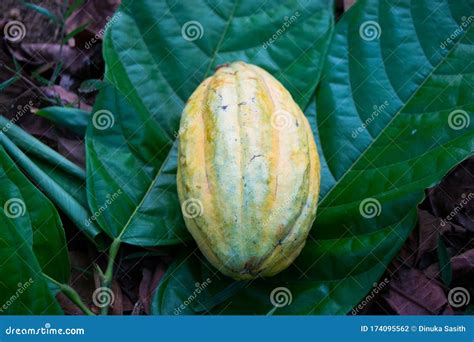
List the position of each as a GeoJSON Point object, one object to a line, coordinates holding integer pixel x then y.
{"type": "Point", "coordinates": [5, 84]}
{"type": "Point", "coordinates": [140, 215]}
{"type": "Point", "coordinates": [36, 148]}
{"type": "Point", "coordinates": [76, 31]}
{"type": "Point", "coordinates": [44, 81]}
{"type": "Point", "coordinates": [89, 86]}
{"type": "Point", "coordinates": [211, 289]}
{"type": "Point", "coordinates": [73, 118]}
{"type": "Point", "coordinates": [62, 181]}
{"type": "Point", "coordinates": [135, 153]}
{"type": "Point", "coordinates": [373, 178]}
{"type": "Point", "coordinates": [444, 261]}
{"type": "Point", "coordinates": [57, 70]}
{"type": "Point", "coordinates": [32, 242]}
{"type": "Point", "coordinates": [72, 7]}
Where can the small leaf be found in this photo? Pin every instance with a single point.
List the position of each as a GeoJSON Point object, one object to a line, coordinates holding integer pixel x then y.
{"type": "Point", "coordinates": [57, 70]}
{"type": "Point", "coordinates": [89, 86]}
{"type": "Point", "coordinates": [72, 7]}
{"type": "Point", "coordinates": [5, 84]}
{"type": "Point", "coordinates": [36, 148]}
{"type": "Point", "coordinates": [73, 118]}
{"type": "Point", "coordinates": [75, 32]}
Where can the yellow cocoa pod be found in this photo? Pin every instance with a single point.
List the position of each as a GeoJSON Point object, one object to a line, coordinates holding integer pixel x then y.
{"type": "Point", "coordinates": [248, 172]}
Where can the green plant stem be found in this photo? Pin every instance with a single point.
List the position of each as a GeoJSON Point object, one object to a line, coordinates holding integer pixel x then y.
{"type": "Point", "coordinates": [72, 295]}
{"type": "Point", "coordinates": [109, 272]}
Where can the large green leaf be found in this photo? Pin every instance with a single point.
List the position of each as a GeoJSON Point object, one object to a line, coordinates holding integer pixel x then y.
{"type": "Point", "coordinates": [32, 242]}
{"type": "Point", "coordinates": [373, 177]}
{"type": "Point", "coordinates": [156, 62]}
{"type": "Point", "coordinates": [140, 213]}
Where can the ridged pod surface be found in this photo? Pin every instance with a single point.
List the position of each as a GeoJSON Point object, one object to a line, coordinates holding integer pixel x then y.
{"type": "Point", "coordinates": [248, 172]}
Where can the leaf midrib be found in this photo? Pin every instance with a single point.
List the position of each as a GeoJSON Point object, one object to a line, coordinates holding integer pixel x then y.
{"type": "Point", "coordinates": [139, 205]}
{"type": "Point", "coordinates": [221, 40]}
